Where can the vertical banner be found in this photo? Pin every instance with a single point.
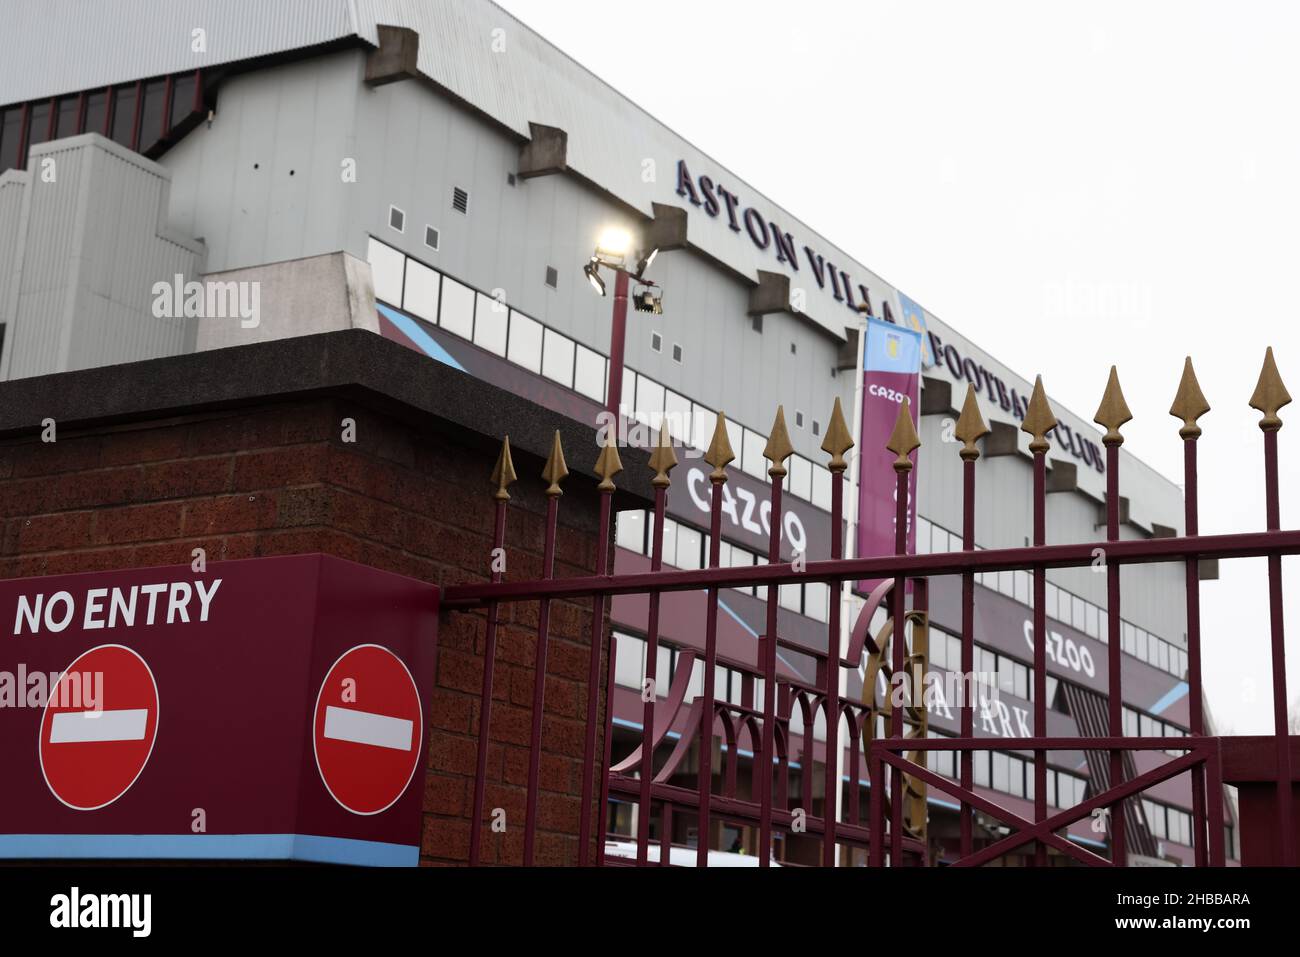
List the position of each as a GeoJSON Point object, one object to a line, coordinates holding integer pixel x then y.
{"type": "Point", "coordinates": [891, 372]}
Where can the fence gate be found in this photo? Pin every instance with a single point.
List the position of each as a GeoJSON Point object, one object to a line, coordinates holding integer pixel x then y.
{"type": "Point", "coordinates": [884, 731]}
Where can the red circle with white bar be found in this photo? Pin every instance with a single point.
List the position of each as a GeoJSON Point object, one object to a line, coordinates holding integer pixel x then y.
{"type": "Point", "coordinates": [99, 727]}
{"type": "Point", "coordinates": [368, 729]}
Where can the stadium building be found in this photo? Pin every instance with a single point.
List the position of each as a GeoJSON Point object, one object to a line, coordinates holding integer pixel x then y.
{"type": "Point", "coordinates": [439, 174]}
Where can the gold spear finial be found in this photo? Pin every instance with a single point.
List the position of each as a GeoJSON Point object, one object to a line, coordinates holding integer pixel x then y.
{"type": "Point", "coordinates": [838, 439]}
{"type": "Point", "coordinates": [1189, 404]}
{"type": "Point", "coordinates": [904, 441]}
{"type": "Point", "coordinates": [608, 464]}
{"type": "Point", "coordinates": [971, 426]}
{"type": "Point", "coordinates": [556, 471]}
{"type": "Point", "coordinates": [778, 447]}
{"type": "Point", "coordinates": [503, 473]}
{"type": "Point", "coordinates": [1270, 394]}
{"type": "Point", "coordinates": [663, 460]}
{"type": "Point", "coordinates": [720, 454]}
{"type": "Point", "coordinates": [1113, 411]}
{"type": "Point", "coordinates": [1039, 419]}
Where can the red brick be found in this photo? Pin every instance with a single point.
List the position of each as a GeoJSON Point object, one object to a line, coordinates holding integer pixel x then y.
{"type": "Point", "coordinates": [76, 454]}
{"type": "Point", "coordinates": [230, 513]}
{"type": "Point", "coordinates": [278, 481]}
{"type": "Point", "coordinates": [63, 530]}
{"type": "Point", "coordinates": [446, 794]}
{"type": "Point", "coordinates": [459, 671]}
{"type": "Point", "coordinates": [276, 468]}
{"type": "Point", "coordinates": [184, 478]}
{"type": "Point", "coordinates": [144, 445]}
{"type": "Point", "coordinates": [445, 838]}
{"type": "Point", "coordinates": [138, 523]}
{"type": "Point", "coordinates": [92, 489]}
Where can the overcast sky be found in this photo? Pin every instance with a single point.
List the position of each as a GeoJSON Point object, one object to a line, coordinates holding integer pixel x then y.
{"type": "Point", "coordinates": [1067, 185]}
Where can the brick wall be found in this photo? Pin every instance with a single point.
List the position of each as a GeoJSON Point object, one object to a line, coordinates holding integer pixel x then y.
{"type": "Point", "coordinates": [278, 479]}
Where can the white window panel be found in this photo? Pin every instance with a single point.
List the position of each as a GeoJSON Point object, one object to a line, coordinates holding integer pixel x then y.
{"type": "Point", "coordinates": [703, 422]}
{"type": "Point", "coordinates": [678, 408]}
{"type": "Point", "coordinates": [670, 541]}
{"type": "Point", "coordinates": [589, 373]}
{"type": "Point", "coordinates": [689, 545]}
{"type": "Point", "coordinates": [421, 296]}
{"type": "Point", "coordinates": [736, 437]}
{"type": "Point", "coordinates": [457, 315]}
{"type": "Point", "coordinates": [491, 322]}
{"type": "Point", "coordinates": [649, 401]}
{"type": "Point", "coordinates": [1024, 587]}
{"type": "Point", "coordinates": [754, 462]}
{"type": "Point", "coordinates": [800, 477]}
{"type": "Point", "coordinates": [630, 529]}
{"type": "Point", "coordinates": [695, 687]}
{"type": "Point", "coordinates": [817, 600]}
{"type": "Point", "coordinates": [525, 342]}
{"type": "Point", "coordinates": [386, 268]}
{"type": "Point", "coordinates": [627, 400]}
{"type": "Point", "coordinates": [821, 487]}
{"type": "Point", "coordinates": [557, 358]}
{"type": "Point", "coordinates": [629, 663]}
{"type": "Point", "coordinates": [790, 597]}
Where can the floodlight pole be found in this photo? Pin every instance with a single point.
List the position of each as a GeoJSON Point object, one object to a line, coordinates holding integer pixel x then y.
{"type": "Point", "coordinates": [617, 342]}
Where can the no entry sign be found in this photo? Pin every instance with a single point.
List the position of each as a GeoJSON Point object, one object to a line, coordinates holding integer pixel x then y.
{"type": "Point", "coordinates": [94, 743]}
{"type": "Point", "coordinates": [367, 729]}
{"type": "Point", "coordinates": [292, 726]}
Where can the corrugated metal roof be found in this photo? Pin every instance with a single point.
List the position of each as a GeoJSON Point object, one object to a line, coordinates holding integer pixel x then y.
{"type": "Point", "coordinates": [60, 46]}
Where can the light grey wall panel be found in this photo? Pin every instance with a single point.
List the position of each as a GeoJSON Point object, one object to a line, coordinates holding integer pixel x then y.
{"type": "Point", "coordinates": [69, 45]}
{"type": "Point", "coordinates": [95, 244]}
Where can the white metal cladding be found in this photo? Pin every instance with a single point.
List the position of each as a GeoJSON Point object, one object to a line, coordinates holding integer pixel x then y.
{"type": "Point", "coordinates": [91, 247]}
{"type": "Point", "coordinates": [69, 46]}
{"type": "Point", "coordinates": [61, 46]}
{"type": "Point", "coordinates": [485, 57]}
{"type": "Point", "coordinates": [13, 190]}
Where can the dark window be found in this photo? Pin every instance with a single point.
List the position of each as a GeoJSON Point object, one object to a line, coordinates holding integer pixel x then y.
{"type": "Point", "coordinates": [11, 128]}
{"type": "Point", "coordinates": [757, 323]}
{"type": "Point", "coordinates": [182, 98]}
{"type": "Point", "coordinates": [656, 342]}
{"type": "Point", "coordinates": [460, 200]}
{"type": "Point", "coordinates": [96, 111]}
{"type": "Point", "coordinates": [677, 353]}
{"type": "Point", "coordinates": [431, 237]}
{"type": "Point", "coordinates": [552, 277]}
{"type": "Point", "coordinates": [124, 115]}
{"type": "Point", "coordinates": [510, 178]}
{"type": "Point", "coordinates": [798, 419]}
{"type": "Point", "coordinates": [38, 130]}
{"type": "Point", "coordinates": [817, 427]}
{"type": "Point", "coordinates": [151, 113]}
{"type": "Point", "coordinates": [793, 348]}
{"type": "Point", "coordinates": [396, 218]}
{"type": "Point", "coordinates": [69, 108]}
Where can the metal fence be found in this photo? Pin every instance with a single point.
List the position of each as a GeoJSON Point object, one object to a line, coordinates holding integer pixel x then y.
{"type": "Point", "coordinates": [884, 732]}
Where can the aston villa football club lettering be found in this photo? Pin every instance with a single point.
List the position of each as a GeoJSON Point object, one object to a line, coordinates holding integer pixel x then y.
{"type": "Point", "coordinates": [1005, 397]}
{"type": "Point", "coordinates": [718, 201]}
